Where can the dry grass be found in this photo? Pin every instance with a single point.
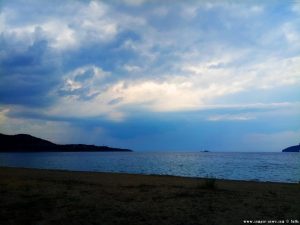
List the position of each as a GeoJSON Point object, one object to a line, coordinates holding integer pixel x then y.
{"type": "Point", "coordinates": [55, 197]}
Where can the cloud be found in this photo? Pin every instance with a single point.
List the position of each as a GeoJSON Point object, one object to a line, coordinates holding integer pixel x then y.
{"type": "Point", "coordinates": [131, 68]}
{"type": "Point", "coordinates": [61, 28]}
{"type": "Point", "coordinates": [3, 112]}
{"type": "Point", "coordinates": [295, 7]}
{"type": "Point", "coordinates": [27, 75]}
{"type": "Point", "coordinates": [84, 82]}
{"type": "Point", "coordinates": [134, 2]}
{"type": "Point", "coordinates": [228, 117]}
{"type": "Point", "coordinates": [174, 94]}
{"type": "Point", "coordinates": [116, 61]}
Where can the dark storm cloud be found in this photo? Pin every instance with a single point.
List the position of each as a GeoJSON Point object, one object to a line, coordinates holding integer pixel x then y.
{"type": "Point", "coordinates": [27, 74]}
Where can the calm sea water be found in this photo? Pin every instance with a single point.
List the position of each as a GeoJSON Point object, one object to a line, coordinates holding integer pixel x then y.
{"type": "Point", "coordinates": [278, 167]}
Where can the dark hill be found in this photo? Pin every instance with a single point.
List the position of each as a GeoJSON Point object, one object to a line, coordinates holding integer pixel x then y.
{"type": "Point", "coordinates": [295, 148]}
{"type": "Point", "coordinates": [28, 143]}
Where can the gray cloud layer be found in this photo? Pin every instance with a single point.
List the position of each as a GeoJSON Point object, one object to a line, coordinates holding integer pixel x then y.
{"type": "Point", "coordinates": [111, 62]}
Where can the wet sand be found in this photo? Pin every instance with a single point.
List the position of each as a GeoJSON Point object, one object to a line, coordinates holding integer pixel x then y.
{"type": "Point", "coordinates": [31, 196]}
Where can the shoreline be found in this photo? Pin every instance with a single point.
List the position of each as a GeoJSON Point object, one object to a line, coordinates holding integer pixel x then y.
{"type": "Point", "coordinates": [42, 196]}
{"type": "Point", "coordinates": [150, 175]}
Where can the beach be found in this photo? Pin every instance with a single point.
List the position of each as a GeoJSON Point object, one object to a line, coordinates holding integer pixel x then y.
{"type": "Point", "coordinates": [35, 196]}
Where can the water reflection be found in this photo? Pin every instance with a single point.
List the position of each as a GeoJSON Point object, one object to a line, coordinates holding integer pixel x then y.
{"type": "Point", "coordinates": [278, 167]}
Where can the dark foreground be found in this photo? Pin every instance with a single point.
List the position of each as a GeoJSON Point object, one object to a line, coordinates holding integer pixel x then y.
{"type": "Point", "coordinates": [29, 196]}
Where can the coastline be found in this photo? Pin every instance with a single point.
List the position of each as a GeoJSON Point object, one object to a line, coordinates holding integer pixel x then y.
{"type": "Point", "coordinates": [31, 196]}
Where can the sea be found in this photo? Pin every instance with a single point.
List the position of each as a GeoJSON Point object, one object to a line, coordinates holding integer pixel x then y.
{"type": "Point", "coordinates": [273, 167]}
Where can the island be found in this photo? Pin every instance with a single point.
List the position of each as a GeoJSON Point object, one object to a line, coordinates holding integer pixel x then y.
{"type": "Point", "coordinates": [295, 148]}
{"type": "Point", "coordinates": [28, 143]}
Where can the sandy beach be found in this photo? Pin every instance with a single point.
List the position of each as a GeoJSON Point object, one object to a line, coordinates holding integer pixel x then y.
{"type": "Point", "coordinates": [32, 196]}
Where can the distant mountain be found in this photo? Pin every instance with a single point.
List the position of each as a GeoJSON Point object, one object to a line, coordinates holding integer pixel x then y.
{"type": "Point", "coordinates": [295, 148]}
{"type": "Point", "coordinates": [28, 143]}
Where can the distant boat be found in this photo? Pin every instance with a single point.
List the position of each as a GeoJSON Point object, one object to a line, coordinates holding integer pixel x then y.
{"type": "Point", "coordinates": [28, 143]}
{"type": "Point", "coordinates": [295, 148]}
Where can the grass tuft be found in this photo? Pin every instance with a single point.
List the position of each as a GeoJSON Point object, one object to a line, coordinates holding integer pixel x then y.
{"type": "Point", "coordinates": [209, 184]}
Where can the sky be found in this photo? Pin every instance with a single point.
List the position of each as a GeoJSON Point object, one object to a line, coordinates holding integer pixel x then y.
{"type": "Point", "coordinates": [152, 75]}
